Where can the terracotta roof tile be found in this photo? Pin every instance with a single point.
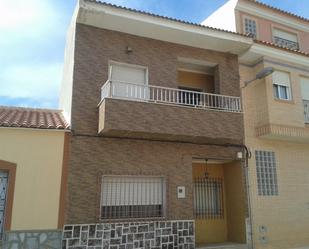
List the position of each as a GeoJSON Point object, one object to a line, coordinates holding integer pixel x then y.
{"type": "Point", "coordinates": [164, 17]}
{"type": "Point", "coordinates": [279, 10]}
{"type": "Point", "coordinates": [32, 118]}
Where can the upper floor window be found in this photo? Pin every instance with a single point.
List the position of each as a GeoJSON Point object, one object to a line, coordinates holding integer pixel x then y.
{"type": "Point", "coordinates": [250, 27]}
{"type": "Point", "coordinates": [281, 85]}
{"type": "Point", "coordinates": [266, 172]}
{"type": "Point", "coordinates": [128, 81]}
{"type": "Point", "coordinates": [304, 82]}
{"type": "Point", "coordinates": [285, 39]}
{"type": "Point", "coordinates": [125, 197]}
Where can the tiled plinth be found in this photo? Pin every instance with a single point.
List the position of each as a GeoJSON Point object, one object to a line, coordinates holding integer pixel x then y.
{"type": "Point", "coordinates": [149, 235]}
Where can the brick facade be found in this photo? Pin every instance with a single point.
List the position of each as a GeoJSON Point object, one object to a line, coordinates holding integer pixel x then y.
{"type": "Point", "coordinates": [94, 47]}
{"type": "Point", "coordinates": [92, 155]}
{"type": "Point", "coordinates": [165, 122]}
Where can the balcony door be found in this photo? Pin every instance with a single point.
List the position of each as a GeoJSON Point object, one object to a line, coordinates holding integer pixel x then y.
{"type": "Point", "coordinates": [129, 81]}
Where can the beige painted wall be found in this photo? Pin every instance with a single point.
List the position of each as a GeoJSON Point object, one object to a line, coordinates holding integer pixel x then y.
{"type": "Point", "coordinates": [265, 29]}
{"type": "Point", "coordinates": [38, 156]}
{"type": "Point", "coordinates": [285, 216]}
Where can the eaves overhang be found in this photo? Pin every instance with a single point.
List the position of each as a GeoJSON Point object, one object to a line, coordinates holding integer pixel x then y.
{"type": "Point", "coordinates": [258, 51]}
{"type": "Point", "coordinates": [111, 17]}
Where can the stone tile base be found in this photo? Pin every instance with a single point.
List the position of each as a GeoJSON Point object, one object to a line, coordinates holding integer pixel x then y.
{"type": "Point", "coordinates": [30, 239]}
{"type": "Point", "coordinates": [149, 235]}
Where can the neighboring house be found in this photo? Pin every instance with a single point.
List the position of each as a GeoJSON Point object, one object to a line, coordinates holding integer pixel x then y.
{"type": "Point", "coordinates": [33, 149]}
{"type": "Point", "coordinates": [276, 114]}
{"type": "Point", "coordinates": [157, 154]}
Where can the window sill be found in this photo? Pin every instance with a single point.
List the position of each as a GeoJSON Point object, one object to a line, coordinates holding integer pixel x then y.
{"type": "Point", "coordinates": [286, 101]}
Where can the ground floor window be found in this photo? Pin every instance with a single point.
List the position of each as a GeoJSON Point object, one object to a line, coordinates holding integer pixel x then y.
{"type": "Point", "coordinates": [125, 197]}
{"type": "Point", "coordinates": [4, 176]}
{"type": "Point", "coordinates": [266, 172]}
{"type": "Point", "coordinates": [208, 197]}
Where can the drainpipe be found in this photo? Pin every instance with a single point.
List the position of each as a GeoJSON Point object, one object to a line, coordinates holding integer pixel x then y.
{"type": "Point", "coordinates": [246, 167]}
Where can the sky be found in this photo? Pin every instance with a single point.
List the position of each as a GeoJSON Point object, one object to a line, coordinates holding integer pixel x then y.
{"type": "Point", "coordinates": [33, 34]}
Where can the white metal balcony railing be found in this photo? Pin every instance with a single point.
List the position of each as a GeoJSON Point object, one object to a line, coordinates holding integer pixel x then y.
{"type": "Point", "coordinates": [158, 94]}
{"type": "Point", "coordinates": [286, 43]}
{"type": "Point", "coordinates": [306, 110]}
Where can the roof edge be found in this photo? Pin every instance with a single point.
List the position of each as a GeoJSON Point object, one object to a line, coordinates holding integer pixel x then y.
{"type": "Point", "coordinates": [164, 17]}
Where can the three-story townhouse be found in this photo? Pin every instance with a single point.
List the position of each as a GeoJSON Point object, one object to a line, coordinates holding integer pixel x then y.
{"type": "Point", "coordinates": [276, 119]}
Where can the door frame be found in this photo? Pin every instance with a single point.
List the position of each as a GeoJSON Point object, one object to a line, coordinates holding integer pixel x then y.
{"type": "Point", "coordinates": [11, 169]}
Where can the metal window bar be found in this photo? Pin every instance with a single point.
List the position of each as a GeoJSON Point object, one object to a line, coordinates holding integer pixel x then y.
{"type": "Point", "coordinates": [4, 177]}
{"type": "Point", "coordinates": [286, 43]}
{"type": "Point", "coordinates": [208, 198]}
{"type": "Point", "coordinates": [306, 110]}
{"type": "Point", "coordinates": [128, 197]}
{"type": "Point", "coordinates": [137, 92]}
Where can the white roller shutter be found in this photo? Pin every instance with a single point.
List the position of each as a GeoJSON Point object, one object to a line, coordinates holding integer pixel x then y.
{"type": "Point", "coordinates": [128, 74]}
{"type": "Point", "coordinates": [304, 82]}
{"type": "Point", "coordinates": [128, 191]}
{"type": "Point", "coordinates": [285, 35]}
{"type": "Point", "coordinates": [281, 78]}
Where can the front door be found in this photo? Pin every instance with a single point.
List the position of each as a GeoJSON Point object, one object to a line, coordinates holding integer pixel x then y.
{"type": "Point", "coordinates": [209, 204]}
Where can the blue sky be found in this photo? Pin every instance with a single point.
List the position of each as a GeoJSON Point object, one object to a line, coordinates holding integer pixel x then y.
{"type": "Point", "coordinates": [33, 38]}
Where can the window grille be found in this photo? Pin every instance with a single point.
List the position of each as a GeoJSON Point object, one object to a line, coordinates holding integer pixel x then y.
{"type": "Point", "coordinates": [208, 198]}
{"type": "Point", "coordinates": [125, 197]}
{"type": "Point", "coordinates": [4, 176]}
{"type": "Point", "coordinates": [266, 173]}
{"type": "Point", "coordinates": [250, 27]}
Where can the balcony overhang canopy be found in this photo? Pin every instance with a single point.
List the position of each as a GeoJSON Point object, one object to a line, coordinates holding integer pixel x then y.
{"type": "Point", "coordinates": [143, 24]}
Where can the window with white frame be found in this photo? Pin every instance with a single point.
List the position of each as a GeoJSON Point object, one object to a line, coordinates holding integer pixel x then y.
{"type": "Point", "coordinates": [128, 80]}
{"type": "Point", "coordinates": [281, 85]}
{"type": "Point", "coordinates": [250, 27]}
{"type": "Point", "coordinates": [266, 173]}
{"type": "Point", "coordinates": [125, 197]}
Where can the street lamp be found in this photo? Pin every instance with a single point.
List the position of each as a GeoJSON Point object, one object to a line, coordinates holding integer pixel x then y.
{"type": "Point", "coordinates": [260, 75]}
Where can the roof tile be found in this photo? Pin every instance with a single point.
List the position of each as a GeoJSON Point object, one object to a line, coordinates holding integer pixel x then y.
{"type": "Point", "coordinates": [32, 118]}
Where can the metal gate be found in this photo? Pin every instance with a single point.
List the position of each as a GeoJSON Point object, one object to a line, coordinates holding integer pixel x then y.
{"type": "Point", "coordinates": [208, 198]}
{"type": "Point", "coordinates": [3, 193]}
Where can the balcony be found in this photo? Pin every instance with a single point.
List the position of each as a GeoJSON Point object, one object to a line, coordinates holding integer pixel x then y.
{"type": "Point", "coordinates": [155, 112]}
{"type": "Point", "coordinates": [306, 110]}
{"type": "Point", "coordinates": [286, 43]}
{"type": "Point", "coordinates": [170, 96]}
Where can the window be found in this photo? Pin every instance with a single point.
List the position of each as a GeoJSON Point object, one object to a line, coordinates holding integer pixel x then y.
{"type": "Point", "coordinates": [125, 197]}
{"type": "Point", "coordinates": [281, 85]}
{"type": "Point", "coordinates": [208, 197]}
{"type": "Point", "coordinates": [285, 39]}
{"type": "Point", "coordinates": [250, 27]}
{"type": "Point", "coordinates": [304, 83]}
{"type": "Point", "coordinates": [128, 81]}
{"type": "Point", "coordinates": [3, 198]}
{"type": "Point", "coordinates": [266, 173]}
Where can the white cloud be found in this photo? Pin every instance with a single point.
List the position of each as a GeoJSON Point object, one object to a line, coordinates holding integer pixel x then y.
{"type": "Point", "coordinates": [40, 82]}
{"type": "Point", "coordinates": [16, 14]}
